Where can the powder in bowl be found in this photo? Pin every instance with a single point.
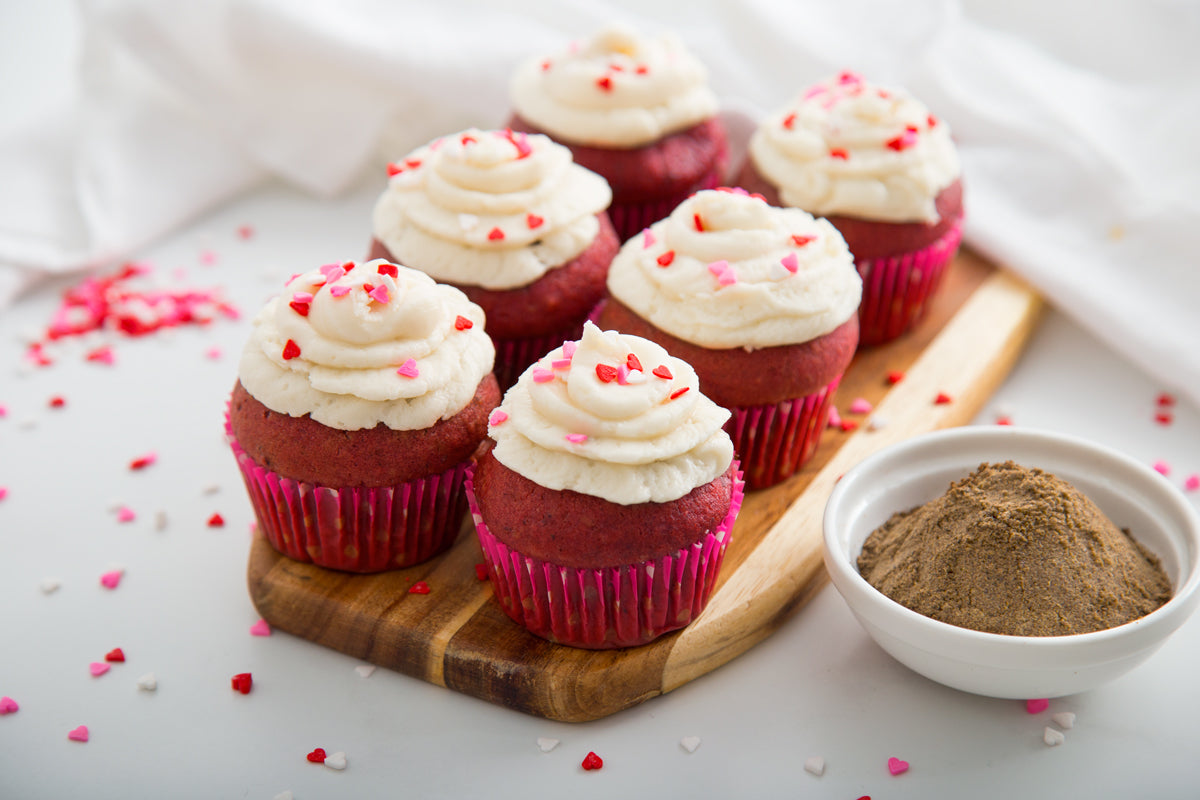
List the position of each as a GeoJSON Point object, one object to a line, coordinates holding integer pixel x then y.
{"type": "Point", "coordinates": [1014, 551]}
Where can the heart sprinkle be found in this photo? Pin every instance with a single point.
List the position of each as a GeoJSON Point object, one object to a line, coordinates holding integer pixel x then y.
{"type": "Point", "coordinates": [317, 756]}
{"type": "Point", "coordinates": [147, 683]}
{"type": "Point", "coordinates": [533, 221]}
{"type": "Point", "coordinates": [1037, 706]}
{"type": "Point", "coordinates": [242, 682]}
{"type": "Point", "coordinates": [690, 743]}
{"type": "Point", "coordinates": [116, 655]}
{"type": "Point", "coordinates": [1064, 719]}
{"type": "Point", "coordinates": [112, 579]}
{"type": "Point", "coordinates": [592, 761]}
{"type": "Point", "coordinates": [461, 323]}
{"type": "Point", "coordinates": [897, 766]}
{"type": "Point", "coordinates": [141, 462]}
{"type": "Point", "coordinates": [815, 765]}
{"type": "Point", "coordinates": [1052, 737]}
{"type": "Point", "coordinates": [408, 369]}
{"type": "Point", "coordinates": [336, 761]}
{"type": "Point", "coordinates": [661, 371]}
{"type": "Point", "coordinates": [481, 572]}
{"type": "Point", "coordinates": [420, 587]}
{"type": "Point", "coordinates": [546, 744]}
{"type": "Point", "coordinates": [290, 350]}
{"type": "Point", "coordinates": [216, 521]}
{"type": "Point", "coordinates": [942, 399]}
{"type": "Point", "coordinates": [80, 734]}
{"type": "Point", "coordinates": [8, 706]}
{"type": "Point", "coordinates": [260, 628]}
{"type": "Point", "coordinates": [50, 585]}
{"type": "Point", "coordinates": [860, 405]}
{"type": "Point", "coordinates": [365, 670]}
{"type": "Point", "coordinates": [125, 514]}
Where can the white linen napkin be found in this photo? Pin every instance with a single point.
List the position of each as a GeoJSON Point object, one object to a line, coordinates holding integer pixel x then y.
{"type": "Point", "coordinates": [1076, 123]}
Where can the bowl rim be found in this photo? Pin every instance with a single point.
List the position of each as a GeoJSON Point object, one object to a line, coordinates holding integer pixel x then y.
{"type": "Point", "coordinates": [1169, 615]}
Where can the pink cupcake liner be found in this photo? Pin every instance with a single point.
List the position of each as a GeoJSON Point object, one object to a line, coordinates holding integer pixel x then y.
{"type": "Point", "coordinates": [897, 289]}
{"type": "Point", "coordinates": [774, 441]}
{"type": "Point", "coordinates": [365, 529]}
{"type": "Point", "coordinates": [608, 607]}
{"type": "Point", "coordinates": [629, 219]}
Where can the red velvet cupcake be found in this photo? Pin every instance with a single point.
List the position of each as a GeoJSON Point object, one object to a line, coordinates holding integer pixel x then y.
{"type": "Point", "coordinates": [885, 172]}
{"type": "Point", "coordinates": [606, 503]}
{"type": "Point", "coordinates": [761, 301]}
{"type": "Point", "coordinates": [514, 224]}
{"type": "Point", "coordinates": [636, 110]}
{"type": "Point", "coordinates": [362, 396]}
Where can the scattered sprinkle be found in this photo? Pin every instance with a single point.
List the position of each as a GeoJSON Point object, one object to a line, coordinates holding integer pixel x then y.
{"type": "Point", "coordinates": [340, 290]}
{"type": "Point", "coordinates": [260, 628]}
{"type": "Point", "coordinates": [560, 363]}
{"type": "Point", "coordinates": [592, 761]}
{"type": "Point", "coordinates": [467, 221]}
{"type": "Point", "coordinates": [661, 371]}
{"type": "Point", "coordinates": [481, 572]}
{"type": "Point", "coordinates": [216, 521]}
{"type": "Point", "coordinates": [876, 422]}
{"type": "Point", "coordinates": [903, 141]}
{"type": "Point", "coordinates": [1004, 420]}
{"type": "Point", "coordinates": [291, 349]}
{"type": "Point", "coordinates": [666, 258]}
{"type": "Point", "coordinates": [894, 377]}
{"type": "Point", "coordinates": [690, 743]}
{"type": "Point", "coordinates": [942, 399]}
{"type": "Point", "coordinates": [849, 425]}
{"type": "Point", "coordinates": [388, 269]}
{"type": "Point", "coordinates": [1064, 719]}
{"type": "Point", "coordinates": [208, 257]}
{"type": "Point", "coordinates": [1037, 706]}
{"type": "Point", "coordinates": [408, 369]}
{"type": "Point", "coordinates": [101, 355]}
{"type": "Point", "coordinates": [698, 223]}
{"type": "Point", "coordinates": [576, 438]}
{"type": "Point", "coordinates": [58, 401]}
{"type": "Point", "coordinates": [1052, 737]}
{"type": "Point", "coordinates": [115, 656]}
{"type": "Point", "coordinates": [141, 462]}
{"type": "Point", "coordinates": [897, 766]}
{"type": "Point", "coordinates": [365, 670]}
{"type": "Point", "coordinates": [420, 587]}
{"type": "Point", "coordinates": [790, 262]}
{"type": "Point", "coordinates": [802, 239]}
{"type": "Point", "coordinates": [838, 153]}
{"type": "Point", "coordinates": [160, 520]}
{"type": "Point", "coordinates": [242, 682]}
{"type": "Point", "coordinates": [3, 492]}
{"type": "Point", "coordinates": [546, 744]}
{"type": "Point", "coordinates": [1162, 467]}
{"type": "Point", "coordinates": [112, 579]}
{"type": "Point", "coordinates": [245, 232]}
{"type": "Point", "coordinates": [633, 362]}
{"type": "Point", "coordinates": [98, 668]}
{"type": "Point", "coordinates": [648, 239]}
{"type": "Point", "coordinates": [533, 221]}
{"type": "Point", "coordinates": [678, 392]}
{"type": "Point", "coordinates": [1192, 483]}
{"type": "Point", "coordinates": [606, 373]}
{"type": "Point", "coordinates": [605, 83]}
{"type": "Point", "coordinates": [860, 405]}
{"type": "Point", "coordinates": [8, 706]}
{"type": "Point", "coordinates": [147, 683]}
{"type": "Point", "coordinates": [79, 734]}
{"type": "Point", "coordinates": [815, 765]}
{"type": "Point", "coordinates": [789, 121]}
{"type": "Point", "coordinates": [835, 419]}
{"type": "Point", "coordinates": [317, 756]}
{"type": "Point", "coordinates": [568, 348]}
{"type": "Point", "coordinates": [542, 375]}
{"type": "Point", "coordinates": [125, 514]}
{"type": "Point", "coordinates": [336, 761]}
{"type": "Point", "coordinates": [498, 417]}
{"type": "Point", "coordinates": [1164, 418]}
{"type": "Point", "coordinates": [461, 323]}
{"type": "Point", "coordinates": [1166, 399]}
{"type": "Point", "coordinates": [50, 585]}
{"type": "Point", "coordinates": [495, 235]}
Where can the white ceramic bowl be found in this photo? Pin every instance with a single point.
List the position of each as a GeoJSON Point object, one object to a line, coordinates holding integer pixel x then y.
{"type": "Point", "coordinates": [915, 471]}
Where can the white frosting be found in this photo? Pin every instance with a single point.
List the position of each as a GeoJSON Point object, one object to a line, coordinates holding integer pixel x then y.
{"type": "Point", "coordinates": [639, 443]}
{"type": "Point", "coordinates": [615, 90]}
{"type": "Point", "coordinates": [742, 281]}
{"type": "Point", "coordinates": [446, 201]}
{"type": "Point", "coordinates": [351, 345]}
{"type": "Point", "coordinates": [845, 146]}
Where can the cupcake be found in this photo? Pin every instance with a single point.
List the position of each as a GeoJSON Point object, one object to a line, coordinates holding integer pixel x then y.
{"type": "Point", "coordinates": [606, 495]}
{"type": "Point", "coordinates": [885, 172]}
{"type": "Point", "coordinates": [636, 110]}
{"type": "Point", "coordinates": [511, 221]}
{"type": "Point", "coordinates": [362, 395]}
{"type": "Point", "coordinates": [761, 301]}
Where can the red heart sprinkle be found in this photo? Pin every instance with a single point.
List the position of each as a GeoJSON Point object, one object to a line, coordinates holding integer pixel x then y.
{"type": "Point", "coordinates": [942, 399]}
{"type": "Point", "coordinates": [534, 221]}
{"type": "Point", "coordinates": [699, 223]}
{"type": "Point", "coordinates": [57, 401]}
{"type": "Point", "coordinates": [412, 163]}
{"type": "Point", "coordinates": [290, 350]}
{"type": "Point", "coordinates": [141, 462]}
{"type": "Point", "coordinates": [789, 120]}
{"type": "Point", "coordinates": [666, 258]}
{"type": "Point", "coordinates": [420, 587]}
{"type": "Point", "coordinates": [242, 682]}
{"type": "Point", "coordinates": [605, 373]}
{"type": "Point", "coordinates": [394, 169]}
{"type": "Point", "coordinates": [216, 521]}
{"type": "Point", "coordinates": [1166, 399]}
{"type": "Point", "coordinates": [604, 83]}
{"type": "Point", "coordinates": [300, 308]}
{"type": "Point", "coordinates": [348, 266]}
{"type": "Point", "coordinates": [495, 235]}
{"type": "Point", "coordinates": [632, 362]}
{"type": "Point", "coordinates": [592, 761]}
{"type": "Point", "coordinates": [461, 323]}
{"type": "Point", "coordinates": [1163, 418]}
{"type": "Point", "coordinates": [931, 120]}
{"type": "Point", "coordinates": [467, 139]}
{"type": "Point", "coordinates": [895, 376]}
{"type": "Point", "coordinates": [838, 153]}
{"type": "Point", "coordinates": [800, 241]}
{"type": "Point", "coordinates": [115, 655]}
{"type": "Point", "coordinates": [317, 756]}
{"type": "Point", "coordinates": [1003, 420]}
{"type": "Point", "coordinates": [481, 572]}
{"type": "Point", "coordinates": [642, 69]}
{"type": "Point", "coordinates": [388, 269]}
{"type": "Point", "coordinates": [662, 372]}
{"type": "Point", "coordinates": [848, 425]}
{"type": "Point", "coordinates": [679, 392]}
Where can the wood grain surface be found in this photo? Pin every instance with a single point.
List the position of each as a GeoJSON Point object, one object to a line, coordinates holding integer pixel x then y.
{"type": "Point", "coordinates": [456, 636]}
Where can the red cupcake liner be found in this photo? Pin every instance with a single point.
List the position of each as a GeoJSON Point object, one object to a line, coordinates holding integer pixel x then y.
{"type": "Point", "coordinates": [775, 440]}
{"type": "Point", "coordinates": [897, 289]}
{"type": "Point", "coordinates": [630, 219]}
{"type": "Point", "coordinates": [363, 529]}
{"type": "Point", "coordinates": [608, 607]}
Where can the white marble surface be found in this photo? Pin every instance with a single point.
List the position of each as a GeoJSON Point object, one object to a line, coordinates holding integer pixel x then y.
{"type": "Point", "coordinates": [818, 687]}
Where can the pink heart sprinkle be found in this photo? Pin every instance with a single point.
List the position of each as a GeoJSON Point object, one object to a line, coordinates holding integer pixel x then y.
{"type": "Point", "coordinates": [380, 294]}
{"type": "Point", "coordinates": [98, 668]}
{"type": "Point", "coordinates": [860, 406]}
{"type": "Point", "coordinates": [80, 734]}
{"type": "Point", "coordinates": [623, 375]}
{"type": "Point", "coordinates": [213, 353]}
{"type": "Point", "coordinates": [718, 267]}
{"type": "Point", "coordinates": [576, 438]}
{"type": "Point", "coordinates": [561, 363]}
{"type": "Point", "coordinates": [110, 580]}
{"type": "Point", "coordinates": [648, 239]}
{"type": "Point", "coordinates": [1192, 483]}
{"type": "Point", "coordinates": [498, 417]}
{"type": "Point", "coordinates": [1162, 468]}
{"type": "Point", "coordinates": [835, 419]}
{"type": "Point", "coordinates": [125, 514]}
{"type": "Point", "coordinates": [790, 262]}
{"type": "Point", "coordinates": [339, 290]}
{"type": "Point", "coordinates": [542, 375]}
{"type": "Point", "coordinates": [260, 628]}
{"type": "Point", "coordinates": [408, 369]}
{"type": "Point", "coordinates": [1037, 706]}
{"type": "Point", "coordinates": [8, 705]}
{"type": "Point", "coordinates": [896, 766]}
{"type": "Point", "coordinates": [3, 492]}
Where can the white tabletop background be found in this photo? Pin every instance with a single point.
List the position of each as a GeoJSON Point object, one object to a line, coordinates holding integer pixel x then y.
{"type": "Point", "coordinates": [818, 687]}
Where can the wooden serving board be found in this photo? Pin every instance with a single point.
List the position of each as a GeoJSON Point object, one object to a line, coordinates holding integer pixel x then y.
{"type": "Point", "coordinates": [456, 636]}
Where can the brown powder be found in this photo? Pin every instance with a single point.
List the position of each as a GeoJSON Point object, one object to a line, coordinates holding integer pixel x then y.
{"type": "Point", "coordinates": [1014, 551]}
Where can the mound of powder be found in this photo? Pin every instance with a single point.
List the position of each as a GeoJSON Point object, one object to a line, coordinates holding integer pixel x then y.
{"type": "Point", "coordinates": [1014, 551]}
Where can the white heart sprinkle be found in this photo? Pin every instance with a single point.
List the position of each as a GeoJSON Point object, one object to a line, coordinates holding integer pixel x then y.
{"type": "Point", "coordinates": [815, 765]}
{"type": "Point", "coordinates": [778, 271]}
{"type": "Point", "coordinates": [50, 585]}
{"type": "Point", "coordinates": [635, 376]}
{"type": "Point", "coordinates": [27, 424]}
{"type": "Point", "coordinates": [546, 744]}
{"type": "Point", "coordinates": [285, 795]}
{"type": "Point", "coordinates": [876, 422]}
{"type": "Point", "coordinates": [336, 761]}
{"type": "Point", "coordinates": [467, 221]}
{"type": "Point", "coordinates": [212, 489]}
{"type": "Point", "coordinates": [1052, 737]}
{"type": "Point", "coordinates": [147, 683]}
{"type": "Point", "coordinates": [1064, 719]}
{"type": "Point", "coordinates": [365, 670]}
{"type": "Point", "coordinates": [690, 743]}
{"type": "Point", "coordinates": [160, 521]}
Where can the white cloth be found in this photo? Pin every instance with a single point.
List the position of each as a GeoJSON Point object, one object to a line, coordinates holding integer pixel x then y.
{"type": "Point", "coordinates": [1076, 122]}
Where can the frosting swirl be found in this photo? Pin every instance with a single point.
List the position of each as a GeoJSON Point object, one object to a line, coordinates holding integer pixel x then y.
{"type": "Point", "coordinates": [612, 416]}
{"type": "Point", "coordinates": [726, 270]}
{"type": "Point", "coordinates": [494, 209]}
{"type": "Point", "coordinates": [615, 90]}
{"type": "Point", "coordinates": [845, 146]}
{"type": "Point", "coordinates": [354, 346]}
